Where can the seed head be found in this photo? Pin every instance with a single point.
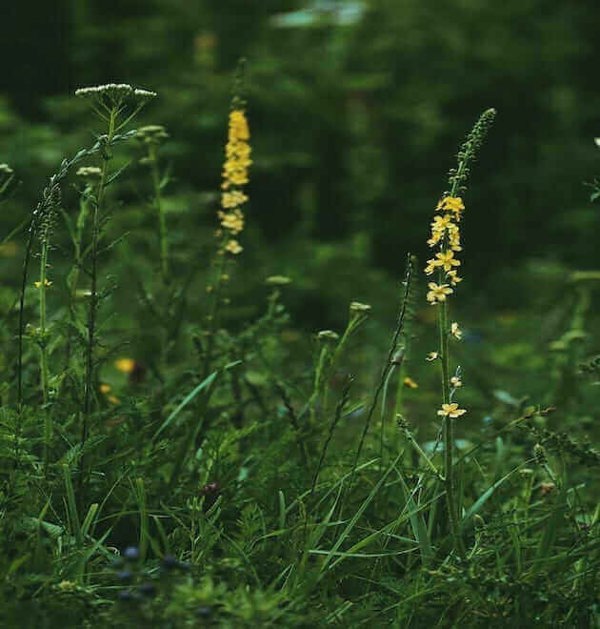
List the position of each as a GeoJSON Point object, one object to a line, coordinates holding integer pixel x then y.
{"type": "Point", "coordinates": [152, 134]}
{"type": "Point", "coordinates": [91, 173]}
{"type": "Point", "coordinates": [328, 336]}
{"type": "Point", "coordinates": [356, 307]}
{"type": "Point", "coordinates": [278, 280]}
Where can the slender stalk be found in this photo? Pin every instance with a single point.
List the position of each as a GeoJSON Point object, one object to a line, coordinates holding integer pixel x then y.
{"type": "Point", "coordinates": [93, 308]}
{"type": "Point", "coordinates": [449, 478]}
{"type": "Point", "coordinates": [162, 223]}
{"type": "Point", "coordinates": [213, 314]}
{"type": "Point", "coordinates": [43, 344]}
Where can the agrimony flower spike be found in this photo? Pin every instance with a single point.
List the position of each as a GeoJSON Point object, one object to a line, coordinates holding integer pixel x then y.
{"type": "Point", "coordinates": [445, 238]}
{"type": "Point", "coordinates": [235, 177]}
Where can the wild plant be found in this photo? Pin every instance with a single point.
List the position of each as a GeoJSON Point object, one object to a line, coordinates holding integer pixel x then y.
{"type": "Point", "coordinates": [445, 236]}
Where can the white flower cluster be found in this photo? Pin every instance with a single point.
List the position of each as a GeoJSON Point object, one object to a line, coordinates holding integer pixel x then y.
{"type": "Point", "coordinates": [152, 134]}
{"type": "Point", "coordinates": [89, 172]}
{"type": "Point", "coordinates": [115, 92]}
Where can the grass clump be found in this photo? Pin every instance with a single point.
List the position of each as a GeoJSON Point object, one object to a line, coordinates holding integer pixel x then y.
{"type": "Point", "coordinates": [222, 477]}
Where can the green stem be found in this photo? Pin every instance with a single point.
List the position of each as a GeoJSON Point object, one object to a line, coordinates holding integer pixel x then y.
{"type": "Point", "coordinates": [92, 312]}
{"type": "Point", "coordinates": [164, 245]}
{"type": "Point", "coordinates": [43, 343]}
{"type": "Point", "coordinates": [318, 384]}
{"type": "Point", "coordinates": [214, 310]}
{"type": "Point", "coordinates": [449, 479]}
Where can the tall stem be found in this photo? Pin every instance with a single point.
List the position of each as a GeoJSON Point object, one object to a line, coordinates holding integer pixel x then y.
{"type": "Point", "coordinates": [449, 478]}
{"type": "Point", "coordinates": [164, 245]}
{"type": "Point", "coordinates": [43, 343]}
{"type": "Point", "coordinates": [214, 311]}
{"type": "Point", "coordinates": [92, 313]}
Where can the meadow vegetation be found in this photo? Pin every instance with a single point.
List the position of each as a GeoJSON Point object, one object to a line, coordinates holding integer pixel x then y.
{"type": "Point", "coordinates": [176, 451]}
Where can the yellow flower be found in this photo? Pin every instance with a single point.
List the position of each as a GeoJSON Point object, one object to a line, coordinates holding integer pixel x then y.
{"type": "Point", "coordinates": [440, 223]}
{"type": "Point", "coordinates": [446, 260]}
{"type": "Point", "coordinates": [456, 331]}
{"type": "Point", "coordinates": [452, 204]}
{"type": "Point", "coordinates": [234, 247]}
{"type": "Point", "coordinates": [453, 277]}
{"type": "Point", "coordinates": [432, 356]}
{"type": "Point", "coordinates": [451, 410]}
{"type": "Point", "coordinates": [105, 388]}
{"type": "Point", "coordinates": [454, 237]}
{"type": "Point", "coordinates": [409, 383]}
{"type": "Point", "coordinates": [232, 221]}
{"type": "Point", "coordinates": [455, 382]}
{"type": "Point", "coordinates": [438, 292]}
{"type": "Point", "coordinates": [125, 365]}
{"type": "Point", "coordinates": [438, 228]}
{"type": "Point", "coordinates": [47, 283]}
{"type": "Point", "coordinates": [233, 199]}
{"type": "Point", "coordinates": [430, 268]}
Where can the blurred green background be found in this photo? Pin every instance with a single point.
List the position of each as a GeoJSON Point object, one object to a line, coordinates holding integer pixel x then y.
{"type": "Point", "coordinates": [356, 109]}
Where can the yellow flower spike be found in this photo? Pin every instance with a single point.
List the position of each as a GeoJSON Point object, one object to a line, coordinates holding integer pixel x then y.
{"type": "Point", "coordinates": [451, 410]}
{"type": "Point", "coordinates": [47, 283]}
{"type": "Point", "coordinates": [438, 292]}
{"type": "Point", "coordinates": [455, 382]}
{"type": "Point", "coordinates": [237, 153]}
{"type": "Point", "coordinates": [125, 365]}
{"type": "Point", "coordinates": [432, 356]}
{"type": "Point", "coordinates": [235, 176]}
{"type": "Point", "coordinates": [456, 331]}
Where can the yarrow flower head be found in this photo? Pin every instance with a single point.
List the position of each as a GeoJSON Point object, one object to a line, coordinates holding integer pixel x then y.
{"type": "Point", "coordinates": [152, 134]}
{"type": "Point", "coordinates": [451, 410]}
{"type": "Point", "coordinates": [114, 93]}
{"type": "Point", "coordinates": [328, 336]}
{"type": "Point", "coordinates": [359, 309]}
{"type": "Point", "coordinates": [119, 102]}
